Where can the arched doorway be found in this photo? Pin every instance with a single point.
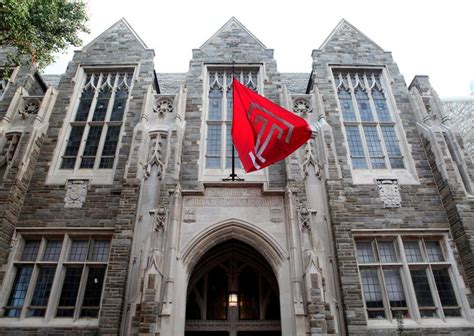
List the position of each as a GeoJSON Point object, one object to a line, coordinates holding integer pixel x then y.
{"type": "Point", "coordinates": [232, 291]}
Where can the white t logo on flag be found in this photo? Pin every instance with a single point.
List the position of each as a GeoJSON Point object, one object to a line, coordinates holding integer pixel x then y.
{"type": "Point", "coordinates": [255, 117]}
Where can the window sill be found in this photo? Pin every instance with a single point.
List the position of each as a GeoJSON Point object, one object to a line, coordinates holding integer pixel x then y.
{"type": "Point", "coordinates": [452, 322]}
{"type": "Point", "coordinates": [365, 176]}
{"type": "Point", "coordinates": [102, 176]}
{"type": "Point", "coordinates": [214, 175]}
{"type": "Point", "coordinates": [35, 322]}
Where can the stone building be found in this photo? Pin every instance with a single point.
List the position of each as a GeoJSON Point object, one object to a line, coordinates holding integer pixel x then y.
{"type": "Point", "coordinates": [117, 217]}
{"type": "Point", "coordinates": [459, 115]}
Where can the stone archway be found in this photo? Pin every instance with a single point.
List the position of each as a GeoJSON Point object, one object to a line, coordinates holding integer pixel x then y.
{"type": "Point", "coordinates": [232, 268]}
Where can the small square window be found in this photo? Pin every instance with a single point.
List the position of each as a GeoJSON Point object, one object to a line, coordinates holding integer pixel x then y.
{"type": "Point", "coordinates": [53, 250]}
{"type": "Point", "coordinates": [433, 250]}
{"type": "Point", "coordinates": [365, 252]}
{"type": "Point", "coordinates": [78, 251]}
{"type": "Point", "coordinates": [387, 251]}
{"type": "Point", "coordinates": [30, 251]}
{"type": "Point", "coordinates": [412, 251]}
{"type": "Point", "coordinates": [100, 250]}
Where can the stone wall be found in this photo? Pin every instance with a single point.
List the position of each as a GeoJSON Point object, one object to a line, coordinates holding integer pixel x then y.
{"type": "Point", "coordinates": [106, 206]}
{"type": "Point", "coordinates": [359, 206]}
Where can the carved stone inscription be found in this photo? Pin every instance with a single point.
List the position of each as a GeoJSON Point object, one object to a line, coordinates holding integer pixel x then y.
{"type": "Point", "coordinates": [220, 205]}
{"type": "Point", "coordinates": [233, 197]}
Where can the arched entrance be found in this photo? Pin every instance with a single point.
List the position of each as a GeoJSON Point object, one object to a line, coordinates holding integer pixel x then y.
{"type": "Point", "coordinates": [232, 291]}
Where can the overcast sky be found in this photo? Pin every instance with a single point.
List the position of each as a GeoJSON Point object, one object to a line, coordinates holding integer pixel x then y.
{"type": "Point", "coordinates": [426, 37]}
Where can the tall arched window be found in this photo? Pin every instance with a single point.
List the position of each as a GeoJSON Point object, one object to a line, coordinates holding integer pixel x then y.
{"type": "Point", "coordinates": [219, 115]}
{"type": "Point", "coordinates": [369, 125]}
{"type": "Point", "coordinates": [94, 132]}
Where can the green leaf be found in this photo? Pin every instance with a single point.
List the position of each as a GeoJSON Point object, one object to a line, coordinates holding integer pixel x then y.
{"type": "Point", "coordinates": [37, 29]}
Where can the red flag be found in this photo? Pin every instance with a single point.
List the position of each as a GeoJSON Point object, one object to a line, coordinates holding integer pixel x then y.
{"type": "Point", "coordinates": [263, 132]}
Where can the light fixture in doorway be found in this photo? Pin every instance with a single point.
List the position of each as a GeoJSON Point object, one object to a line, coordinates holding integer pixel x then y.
{"type": "Point", "coordinates": [233, 299]}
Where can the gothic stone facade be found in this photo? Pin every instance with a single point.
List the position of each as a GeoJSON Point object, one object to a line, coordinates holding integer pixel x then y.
{"type": "Point", "coordinates": [113, 189]}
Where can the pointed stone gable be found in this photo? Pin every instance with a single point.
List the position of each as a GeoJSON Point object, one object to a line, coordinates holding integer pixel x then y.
{"type": "Point", "coordinates": [346, 37]}
{"type": "Point", "coordinates": [233, 35]}
{"type": "Point", "coordinates": [119, 36]}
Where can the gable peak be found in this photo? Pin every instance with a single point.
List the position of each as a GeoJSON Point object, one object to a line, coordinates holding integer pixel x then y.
{"type": "Point", "coordinates": [121, 22]}
{"type": "Point", "coordinates": [344, 26]}
{"type": "Point", "coordinates": [233, 23]}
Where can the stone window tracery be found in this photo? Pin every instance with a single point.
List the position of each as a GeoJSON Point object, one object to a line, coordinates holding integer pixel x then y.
{"type": "Point", "coordinates": [368, 123]}
{"type": "Point", "coordinates": [219, 114]}
{"type": "Point", "coordinates": [301, 105]}
{"type": "Point", "coordinates": [95, 129]}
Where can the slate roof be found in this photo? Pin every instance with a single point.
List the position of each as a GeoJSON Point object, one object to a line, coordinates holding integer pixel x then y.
{"type": "Point", "coordinates": [296, 82]}
{"type": "Point", "coordinates": [51, 80]}
{"type": "Point", "coordinates": [169, 82]}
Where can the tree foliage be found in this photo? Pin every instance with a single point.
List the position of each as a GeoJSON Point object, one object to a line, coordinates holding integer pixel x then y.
{"type": "Point", "coordinates": [37, 29]}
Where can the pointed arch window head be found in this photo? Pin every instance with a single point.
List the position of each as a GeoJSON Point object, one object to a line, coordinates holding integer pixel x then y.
{"type": "Point", "coordinates": [93, 135]}
{"type": "Point", "coordinates": [363, 105]}
{"type": "Point", "coordinates": [368, 123]}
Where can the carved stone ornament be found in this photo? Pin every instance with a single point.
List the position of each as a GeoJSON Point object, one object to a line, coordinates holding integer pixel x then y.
{"type": "Point", "coordinates": [301, 105]}
{"type": "Point", "coordinates": [156, 154]}
{"type": "Point", "coordinates": [189, 215]}
{"type": "Point", "coordinates": [276, 215]}
{"type": "Point", "coordinates": [159, 217]}
{"type": "Point", "coordinates": [76, 191]}
{"type": "Point", "coordinates": [305, 218]}
{"type": "Point", "coordinates": [30, 106]}
{"type": "Point", "coordinates": [389, 192]}
{"type": "Point", "coordinates": [163, 106]}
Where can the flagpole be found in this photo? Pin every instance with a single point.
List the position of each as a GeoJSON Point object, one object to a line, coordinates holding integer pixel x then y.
{"type": "Point", "coordinates": [233, 175]}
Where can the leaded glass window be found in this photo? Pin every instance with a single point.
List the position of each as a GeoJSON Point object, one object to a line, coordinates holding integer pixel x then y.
{"type": "Point", "coordinates": [395, 271]}
{"type": "Point", "coordinates": [72, 269]}
{"type": "Point", "coordinates": [44, 282]}
{"type": "Point", "coordinates": [370, 128]}
{"type": "Point", "coordinates": [372, 293]}
{"type": "Point", "coordinates": [95, 130]}
{"type": "Point", "coordinates": [18, 293]}
{"type": "Point", "coordinates": [219, 114]}
{"type": "Point", "coordinates": [423, 293]}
